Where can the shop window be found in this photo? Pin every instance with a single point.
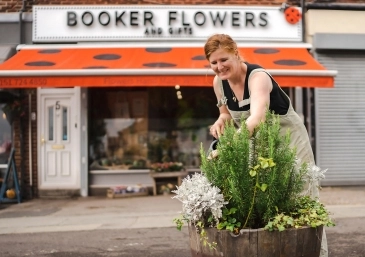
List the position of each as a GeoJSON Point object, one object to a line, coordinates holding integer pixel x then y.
{"type": "Point", "coordinates": [5, 137]}
{"type": "Point", "coordinates": [132, 128]}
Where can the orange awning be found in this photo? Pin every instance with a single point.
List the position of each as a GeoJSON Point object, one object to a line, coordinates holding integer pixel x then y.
{"type": "Point", "coordinates": [93, 66]}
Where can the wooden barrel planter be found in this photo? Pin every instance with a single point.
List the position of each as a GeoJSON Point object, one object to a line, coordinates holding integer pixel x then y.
{"type": "Point", "coordinates": [303, 242]}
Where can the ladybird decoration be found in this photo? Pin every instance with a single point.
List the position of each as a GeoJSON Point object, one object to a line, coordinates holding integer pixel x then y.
{"type": "Point", "coordinates": [292, 14]}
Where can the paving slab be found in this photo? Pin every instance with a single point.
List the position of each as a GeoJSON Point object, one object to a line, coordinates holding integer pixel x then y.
{"type": "Point", "coordinates": [96, 213]}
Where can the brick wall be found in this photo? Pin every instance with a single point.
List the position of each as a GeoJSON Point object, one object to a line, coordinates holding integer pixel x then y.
{"type": "Point", "coordinates": [21, 144]}
{"type": "Point", "coordinates": [17, 144]}
{"type": "Point", "coordinates": [16, 5]}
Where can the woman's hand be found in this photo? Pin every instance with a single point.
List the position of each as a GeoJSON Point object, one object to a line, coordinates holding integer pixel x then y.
{"type": "Point", "coordinates": [217, 129]}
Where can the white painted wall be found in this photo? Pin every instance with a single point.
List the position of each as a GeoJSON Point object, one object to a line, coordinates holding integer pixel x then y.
{"type": "Point", "coordinates": [334, 21]}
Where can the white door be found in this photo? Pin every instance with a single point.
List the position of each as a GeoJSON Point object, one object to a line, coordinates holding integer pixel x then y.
{"type": "Point", "coordinates": [58, 113]}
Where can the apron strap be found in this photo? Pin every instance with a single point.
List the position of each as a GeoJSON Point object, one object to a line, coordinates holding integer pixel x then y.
{"type": "Point", "coordinates": [223, 100]}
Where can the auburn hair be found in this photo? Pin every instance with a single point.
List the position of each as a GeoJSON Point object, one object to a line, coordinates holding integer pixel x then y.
{"type": "Point", "coordinates": [220, 41]}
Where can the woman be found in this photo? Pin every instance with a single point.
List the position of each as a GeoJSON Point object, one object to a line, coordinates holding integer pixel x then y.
{"type": "Point", "coordinates": [245, 90]}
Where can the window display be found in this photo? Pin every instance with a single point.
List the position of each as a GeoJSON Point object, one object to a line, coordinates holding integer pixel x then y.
{"type": "Point", "coordinates": [5, 137]}
{"type": "Point", "coordinates": [137, 128]}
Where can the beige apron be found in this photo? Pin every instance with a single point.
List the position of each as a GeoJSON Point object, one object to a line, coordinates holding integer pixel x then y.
{"type": "Point", "coordinates": [299, 140]}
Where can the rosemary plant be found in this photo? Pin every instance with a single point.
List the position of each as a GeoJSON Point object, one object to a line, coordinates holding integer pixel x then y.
{"type": "Point", "coordinates": [258, 175]}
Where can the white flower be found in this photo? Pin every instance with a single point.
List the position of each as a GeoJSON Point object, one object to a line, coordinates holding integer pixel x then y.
{"type": "Point", "coordinates": [315, 173]}
{"type": "Point", "coordinates": [198, 197]}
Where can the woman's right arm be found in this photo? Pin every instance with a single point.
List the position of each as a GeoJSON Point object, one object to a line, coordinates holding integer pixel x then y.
{"type": "Point", "coordinates": [218, 127]}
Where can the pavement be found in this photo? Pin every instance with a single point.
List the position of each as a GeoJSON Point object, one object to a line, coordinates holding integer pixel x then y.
{"type": "Point", "coordinates": [100, 213]}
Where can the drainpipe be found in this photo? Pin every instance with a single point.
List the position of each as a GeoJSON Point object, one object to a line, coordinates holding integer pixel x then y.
{"type": "Point", "coordinates": [30, 146]}
{"type": "Point", "coordinates": [308, 120]}
{"type": "Point", "coordinates": [22, 164]}
{"type": "Point", "coordinates": [21, 22]}
{"type": "Point", "coordinates": [302, 3]}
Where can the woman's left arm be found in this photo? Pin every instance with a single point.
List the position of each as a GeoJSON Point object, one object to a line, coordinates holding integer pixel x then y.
{"type": "Point", "coordinates": [260, 86]}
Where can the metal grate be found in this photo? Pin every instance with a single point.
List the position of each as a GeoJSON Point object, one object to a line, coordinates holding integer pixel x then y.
{"type": "Point", "coordinates": [340, 120]}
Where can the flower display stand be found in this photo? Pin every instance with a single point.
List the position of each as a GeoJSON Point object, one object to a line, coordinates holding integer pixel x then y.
{"type": "Point", "coordinates": [158, 176]}
{"type": "Point", "coordinates": [112, 194]}
{"type": "Point", "coordinates": [304, 242]}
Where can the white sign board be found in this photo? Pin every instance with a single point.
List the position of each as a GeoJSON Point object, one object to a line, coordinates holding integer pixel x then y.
{"type": "Point", "coordinates": [158, 22]}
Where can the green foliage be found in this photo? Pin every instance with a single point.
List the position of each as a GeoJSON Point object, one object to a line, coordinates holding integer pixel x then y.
{"type": "Point", "coordinates": [179, 222]}
{"type": "Point", "coordinates": [257, 174]}
{"type": "Point", "coordinates": [307, 212]}
{"type": "Point", "coordinates": [203, 236]}
{"type": "Point", "coordinates": [228, 222]}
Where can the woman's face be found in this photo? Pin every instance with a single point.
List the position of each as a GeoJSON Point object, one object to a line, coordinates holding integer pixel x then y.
{"type": "Point", "coordinates": [223, 63]}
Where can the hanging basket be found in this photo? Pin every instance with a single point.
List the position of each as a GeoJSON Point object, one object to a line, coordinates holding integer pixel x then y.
{"type": "Point", "coordinates": [292, 242]}
{"type": "Point", "coordinates": [14, 109]}
{"type": "Point", "coordinates": [10, 116]}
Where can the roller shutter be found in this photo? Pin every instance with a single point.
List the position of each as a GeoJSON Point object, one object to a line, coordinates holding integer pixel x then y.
{"type": "Point", "coordinates": [340, 119]}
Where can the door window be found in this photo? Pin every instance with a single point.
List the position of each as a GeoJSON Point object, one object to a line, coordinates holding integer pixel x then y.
{"type": "Point", "coordinates": [64, 123]}
{"type": "Point", "coordinates": [50, 123]}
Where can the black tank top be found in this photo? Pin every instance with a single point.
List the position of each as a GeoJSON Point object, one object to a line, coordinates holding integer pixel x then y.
{"type": "Point", "coordinates": [279, 102]}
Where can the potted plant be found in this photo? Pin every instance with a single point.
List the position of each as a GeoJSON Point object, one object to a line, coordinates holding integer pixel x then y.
{"type": "Point", "coordinates": [249, 200]}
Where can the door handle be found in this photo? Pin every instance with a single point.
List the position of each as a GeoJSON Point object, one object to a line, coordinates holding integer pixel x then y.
{"type": "Point", "coordinates": [43, 140]}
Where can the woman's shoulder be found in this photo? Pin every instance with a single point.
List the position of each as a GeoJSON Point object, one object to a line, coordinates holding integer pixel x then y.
{"type": "Point", "coordinates": [252, 66]}
{"type": "Point", "coordinates": [216, 81]}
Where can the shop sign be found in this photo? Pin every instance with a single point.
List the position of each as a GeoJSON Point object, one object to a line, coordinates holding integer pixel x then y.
{"type": "Point", "coordinates": [185, 23]}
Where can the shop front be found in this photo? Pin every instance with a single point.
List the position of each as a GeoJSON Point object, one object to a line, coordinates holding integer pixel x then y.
{"type": "Point", "coordinates": [339, 117]}
{"type": "Point", "coordinates": [122, 88]}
